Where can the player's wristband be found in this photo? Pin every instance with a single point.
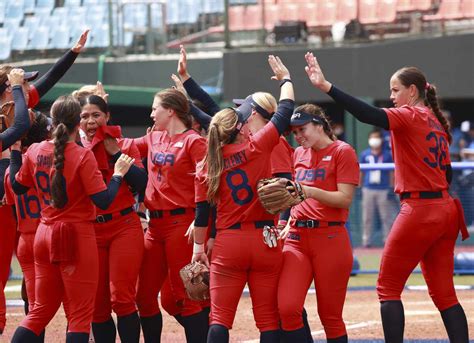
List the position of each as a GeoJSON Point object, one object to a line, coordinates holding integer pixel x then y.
{"type": "Point", "coordinates": [282, 82]}
{"type": "Point", "coordinates": [198, 248]}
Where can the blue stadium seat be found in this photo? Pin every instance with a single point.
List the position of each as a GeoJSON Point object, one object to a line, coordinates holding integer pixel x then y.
{"type": "Point", "coordinates": [6, 44]}
{"type": "Point", "coordinates": [20, 39]}
{"type": "Point", "coordinates": [40, 39]}
{"type": "Point", "coordinates": [11, 24]}
{"type": "Point", "coordinates": [72, 3]}
{"type": "Point", "coordinates": [31, 23]}
{"type": "Point", "coordinates": [60, 39]}
{"type": "Point", "coordinates": [45, 4]}
{"type": "Point", "coordinates": [42, 12]}
{"type": "Point", "coordinates": [29, 6]}
{"type": "Point", "coordinates": [100, 36]}
{"type": "Point", "coordinates": [14, 10]}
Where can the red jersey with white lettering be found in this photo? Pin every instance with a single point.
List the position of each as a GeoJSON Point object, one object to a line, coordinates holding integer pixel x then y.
{"type": "Point", "coordinates": [81, 175]}
{"type": "Point", "coordinates": [27, 206]}
{"type": "Point", "coordinates": [420, 149]}
{"type": "Point", "coordinates": [124, 197]}
{"type": "Point", "coordinates": [281, 159]}
{"type": "Point", "coordinates": [244, 165]}
{"type": "Point", "coordinates": [324, 169]}
{"type": "Point", "coordinates": [171, 168]}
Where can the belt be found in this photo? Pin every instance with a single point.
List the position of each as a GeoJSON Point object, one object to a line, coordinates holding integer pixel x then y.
{"type": "Point", "coordinates": [104, 218]}
{"type": "Point", "coordinates": [258, 224]}
{"type": "Point", "coordinates": [313, 224]}
{"type": "Point", "coordinates": [162, 213]}
{"type": "Point", "coordinates": [421, 195]}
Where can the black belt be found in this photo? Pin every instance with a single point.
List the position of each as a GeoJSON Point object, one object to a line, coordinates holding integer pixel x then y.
{"type": "Point", "coordinates": [161, 213]}
{"type": "Point", "coordinates": [421, 195]}
{"type": "Point", "coordinates": [312, 224]}
{"type": "Point", "coordinates": [104, 218]}
{"type": "Point", "coordinates": [258, 224]}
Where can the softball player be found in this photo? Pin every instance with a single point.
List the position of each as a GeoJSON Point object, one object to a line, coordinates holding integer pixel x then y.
{"type": "Point", "coordinates": [234, 162]}
{"type": "Point", "coordinates": [173, 150]}
{"type": "Point", "coordinates": [426, 229]}
{"type": "Point", "coordinates": [118, 229]}
{"type": "Point", "coordinates": [317, 247]}
{"type": "Point", "coordinates": [8, 223]}
{"type": "Point", "coordinates": [68, 183]}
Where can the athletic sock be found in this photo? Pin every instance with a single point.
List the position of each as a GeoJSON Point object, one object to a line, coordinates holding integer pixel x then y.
{"type": "Point", "coordinates": [24, 335]}
{"type": "Point", "coordinates": [342, 339]}
{"type": "Point", "coordinates": [129, 328]}
{"type": "Point", "coordinates": [77, 337]}
{"type": "Point", "coordinates": [306, 326]}
{"type": "Point", "coordinates": [272, 336]}
{"type": "Point", "coordinates": [151, 327]}
{"type": "Point", "coordinates": [196, 327]}
{"type": "Point", "coordinates": [218, 334]}
{"type": "Point", "coordinates": [104, 332]}
{"type": "Point", "coordinates": [393, 320]}
{"type": "Point", "coordinates": [295, 336]}
{"type": "Point", "coordinates": [455, 322]}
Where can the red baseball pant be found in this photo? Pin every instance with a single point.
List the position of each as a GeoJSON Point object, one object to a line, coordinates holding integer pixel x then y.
{"type": "Point", "coordinates": [74, 284]}
{"type": "Point", "coordinates": [7, 245]}
{"type": "Point", "coordinates": [120, 245]}
{"type": "Point", "coordinates": [325, 256]}
{"type": "Point", "coordinates": [26, 258]}
{"type": "Point", "coordinates": [166, 251]}
{"type": "Point", "coordinates": [240, 257]}
{"type": "Point", "coordinates": [424, 231]}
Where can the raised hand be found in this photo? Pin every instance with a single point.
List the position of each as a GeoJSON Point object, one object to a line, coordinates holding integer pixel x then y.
{"type": "Point", "coordinates": [178, 84]}
{"type": "Point", "coordinates": [123, 164]}
{"type": "Point", "coordinates": [315, 74]}
{"type": "Point", "coordinates": [183, 64]}
{"type": "Point", "coordinates": [101, 92]}
{"type": "Point", "coordinates": [16, 77]}
{"type": "Point", "coordinates": [279, 69]}
{"type": "Point", "coordinates": [81, 42]}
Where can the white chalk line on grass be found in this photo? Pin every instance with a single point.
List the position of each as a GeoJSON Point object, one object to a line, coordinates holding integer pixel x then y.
{"type": "Point", "coordinates": [321, 332]}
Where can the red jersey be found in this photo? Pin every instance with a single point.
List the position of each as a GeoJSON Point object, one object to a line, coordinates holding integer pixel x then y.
{"type": "Point", "coordinates": [171, 168]}
{"type": "Point", "coordinates": [34, 97]}
{"type": "Point", "coordinates": [124, 197]}
{"type": "Point", "coordinates": [324, 169]}
{"type": "Point", "coordinates": [282, 156]}
{"type": "Point", "coordinates": [81, 175]}
{"type": "Point", "coordinates": [420, 149]}
{"type": "Point", "coordinates": [27, 206]}
{"type": "Point", "coordinates": [244, 165]}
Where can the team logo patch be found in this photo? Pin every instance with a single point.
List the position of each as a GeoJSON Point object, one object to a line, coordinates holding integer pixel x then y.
{"type": "Point", "coordinates": [178, 144]}
{"type": "Point", "coordinates": [327, 158]}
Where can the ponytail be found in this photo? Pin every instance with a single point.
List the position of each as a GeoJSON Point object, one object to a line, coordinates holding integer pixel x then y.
{"type": "Point", "coordinates": [432, 102]}
{"type": "Point", "coordinates": [58, 191]}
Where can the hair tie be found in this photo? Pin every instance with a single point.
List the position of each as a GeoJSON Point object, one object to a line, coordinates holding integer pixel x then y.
{"type": "Point", "coordinates": [427, 86]}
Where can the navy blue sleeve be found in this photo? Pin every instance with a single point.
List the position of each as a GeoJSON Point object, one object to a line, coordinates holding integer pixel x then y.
{"type": "Point", "coordinates": [15, 165]}
{"type": "Point", "coordinates": [201, 117]}
{"type": "Point", "coordinates": [361, 110]}
{"type": "Point", "coordinates": [285, 214]}
{"type": "Point", "coordinates": [4, 163]}
{"type": "Point", "coordinates": [196, 92]}
{"type": "Point", "coordinates": [136, 177]}
{"type": "Point", "coordinates": [105, 198]}
{"type": "Point", "coordinates": [21, 122]}
{"type": "Point", "coordinates": [213, 233]}
{"type": "Point", "coordinates": [57, 71]}
{"type": "Point", "coordinates": [281, 118]}
{"type": "Point", "coordinates": [202, 214]}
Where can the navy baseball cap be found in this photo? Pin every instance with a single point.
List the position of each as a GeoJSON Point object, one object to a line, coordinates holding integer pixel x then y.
{"type": "Point", "coordinates": [263, 112]}
{"type": "Point", "coordinates": [27, 76]}
{"type": "Point", "coordinates": [300, 118]}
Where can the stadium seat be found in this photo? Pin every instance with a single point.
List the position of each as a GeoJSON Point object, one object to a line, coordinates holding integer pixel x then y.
{"type": "Point", "coordinates": [2, 12]}
{"type": "Point", "coordinates": [31, 23]}
{"type": "Point", "coordinates": [75, 12]}
{"type": "Point", "coordinates": [289, 12]}
{"type": "Point", "coordinates": [11, 24]}
{"type": "Point", "coordinates": [14, 10]}
{"type": "Point", "coordinates": [6, 44]}
{"type": "Point", "coordinates": [60, 38]}
{"type": "Point", "coordinates": [40, 38]}
{"type": "Point", "coordinates": [467, 8]}
{"type": "Point", "coordinates": [309, 14]}
{"type": "Point", "coordinates": [20, 39]}
{"type": "Point", "coordinates": [29, 6]}
{"type": "Point", "coordinates": [253, 15]}
{"type": "Point", "coordinates": [271, 16]}
{"type": "Point", "coordinates": [405, 5]}
{"type": "Point", "coordinates": [236, 18]}
{"type": "Point", "coordinates": [346, 10]}
{"type": "Point", "coordinates": [387, 11]}
{"type": "Point", "coordinates": [448, 9]}
{"type": "Point", "coordinates": [423, 5]}
{"type": "Point", "coordinates": [42, 12]}
{"type": "Point", "coordinates": [100, 36]}
{"type": "Point", "coordinates": [368, 12]}
{"type": "Point", "coordinates": [49, 4]}
{"type": "Point", "coordinates": [326, 13]}
{"type": "Point", "coordinates": [72, 3]}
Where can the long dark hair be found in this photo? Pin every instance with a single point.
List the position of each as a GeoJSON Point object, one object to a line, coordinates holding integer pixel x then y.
{"type": "Point", "coordinates": [414, 76]}
{"type": "Point", "coordinates": [65, 113]}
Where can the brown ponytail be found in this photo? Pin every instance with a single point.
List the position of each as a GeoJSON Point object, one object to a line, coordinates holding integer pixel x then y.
{"type": "Point", "coordinates": [65, 113]}
{"type": "Point", "coordinates": [432, 101]}
{"type": "Point", "coordinates": [220, 132]}
{"type": "Point", "coordinates": [414, 76]}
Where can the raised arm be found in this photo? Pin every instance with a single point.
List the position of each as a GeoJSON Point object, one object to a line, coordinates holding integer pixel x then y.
{"type": "Point", "coordinates": [362, 111]}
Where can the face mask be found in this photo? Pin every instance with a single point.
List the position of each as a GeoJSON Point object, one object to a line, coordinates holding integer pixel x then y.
{"type": "Point", "coordinates": [375, 143]}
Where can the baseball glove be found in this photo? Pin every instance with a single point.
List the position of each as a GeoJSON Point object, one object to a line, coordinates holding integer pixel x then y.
{"type": "Point", "coordinates": [277, 194]}
{"type": "Point", "coordinates": [7, 115]}
{"type": "Point", "coordinates": [195, 277]}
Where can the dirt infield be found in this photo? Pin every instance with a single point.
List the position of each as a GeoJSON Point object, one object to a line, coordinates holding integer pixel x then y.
{"type": "Point", "coordinates": [361, 314]}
